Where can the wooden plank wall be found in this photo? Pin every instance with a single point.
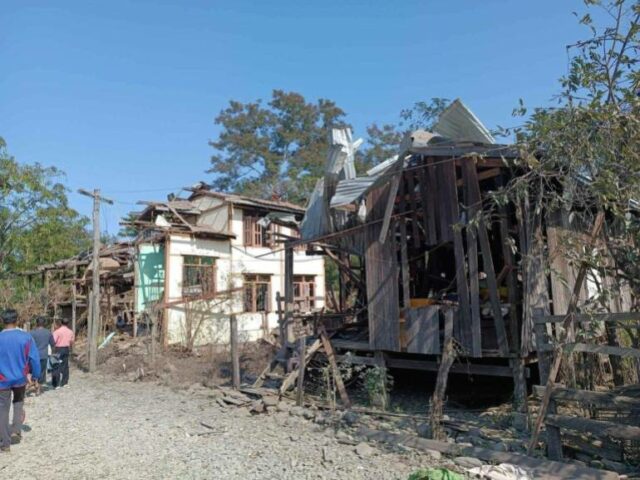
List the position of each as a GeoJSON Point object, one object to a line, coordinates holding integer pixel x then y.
{"type": "Point", "coordinates": [422, 330]}
{"type": "Point", "coordinates": [381, 266]}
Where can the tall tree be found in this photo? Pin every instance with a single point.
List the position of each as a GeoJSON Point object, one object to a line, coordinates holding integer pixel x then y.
{"type": "Point", "coordinates": [36, 223]}
{"type": "Point", "coordinates": [273, 150]}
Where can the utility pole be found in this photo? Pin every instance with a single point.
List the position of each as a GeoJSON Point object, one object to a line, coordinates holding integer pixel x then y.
{"type": "Point", "coordinates": [94, 311]}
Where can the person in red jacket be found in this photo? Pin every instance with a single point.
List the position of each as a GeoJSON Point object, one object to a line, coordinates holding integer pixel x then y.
{"type": "Point", "coordinates": [19, 358]}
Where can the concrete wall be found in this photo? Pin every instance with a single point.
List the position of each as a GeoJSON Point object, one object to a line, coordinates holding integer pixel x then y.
{"type": "Point", "coordinates": [208, 320]}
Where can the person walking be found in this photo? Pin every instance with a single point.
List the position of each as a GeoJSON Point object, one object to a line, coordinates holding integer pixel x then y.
{"type": "Point", "coordinates": [18, 357]}
{"type": "Point", "coordinates": [44, 339]}
{"type": "Point", "coordinates": [63, 338]}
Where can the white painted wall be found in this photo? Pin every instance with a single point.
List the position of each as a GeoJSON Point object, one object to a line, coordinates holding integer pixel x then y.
{"type": "Point", "coordinates": [233, 260]}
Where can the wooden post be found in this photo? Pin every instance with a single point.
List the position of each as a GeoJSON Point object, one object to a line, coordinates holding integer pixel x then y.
{"type": "Point", "coordinates": [235, 356]}
{"type": "Point", "coordinates": [154, 335]}
{"type": "Point", "coordinates": [45, 281]}
{"type": "Point", "coordinates": [74, 301]}
{"type": "Point", "coordinates": [302, 354]}
{"type": "Point", "coordinates": [447, 359]}
{"type": "Point", "coordinates": [95, 288]}
{"type": "Point", "coordinates": [94, 313]}
{"type": "Point", "coordinates": [281, 328]}
{"type": "Point", "coordinates": [288, 293]}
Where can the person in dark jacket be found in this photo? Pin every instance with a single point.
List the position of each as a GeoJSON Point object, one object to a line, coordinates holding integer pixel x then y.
{"type": "Point", "coordinates": [18, 358]}
{"type": "Point", "coordinates": [44, 339]}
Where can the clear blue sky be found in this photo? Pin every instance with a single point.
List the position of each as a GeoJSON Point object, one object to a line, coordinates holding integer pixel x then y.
{"type": "Point", "coordinates": [122, 95]}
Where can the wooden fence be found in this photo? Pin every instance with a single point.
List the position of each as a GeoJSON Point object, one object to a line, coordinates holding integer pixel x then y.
{"type": "Point", "coordinates": [612, 429]}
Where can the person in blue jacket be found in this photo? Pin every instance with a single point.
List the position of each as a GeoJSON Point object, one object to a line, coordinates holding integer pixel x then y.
{"type": "Point", "coordinates": [19, 358]}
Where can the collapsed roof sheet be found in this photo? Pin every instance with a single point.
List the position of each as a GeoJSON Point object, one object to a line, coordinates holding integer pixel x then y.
{"type": "Point", "coordinates": [459, 123]}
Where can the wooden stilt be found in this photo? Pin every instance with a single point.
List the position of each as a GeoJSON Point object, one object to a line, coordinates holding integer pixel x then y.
{"type": "Point", "coordinates": [446, 360]}
{"type": "Point", "coordinates": [235, 355]}
{"type": "Point", "coordinates": [302, 354]}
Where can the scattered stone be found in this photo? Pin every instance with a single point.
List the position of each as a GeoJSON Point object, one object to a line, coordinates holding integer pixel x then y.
{"type": "Point", "coordinates": [270, 401]}
{"type": "Point", "coordinates": [256, 406]}
{"type": "Point", "coordinates": [468, 462]}
{"type": "Point", "coordinates": [434, 454]}
{"type": "Point", "coordinates": [308, 414]}
{"type": "Point", "coordinates": [424, 430]}
{"type": "Point", "coordinates": [350, 418]}
{"type": "Point", "coordinates": [283, 407]}
{"type": "Point", "coordinates": [364, 450]}
{"type": "Point", "coordinates": [296, 411]}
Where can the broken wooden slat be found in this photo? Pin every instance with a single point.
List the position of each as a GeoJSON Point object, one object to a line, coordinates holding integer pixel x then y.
{"type": "Point", "coordinates": [391, 201]}
{"type": "Point", "coordinates": [290, 379]}
{"type": "Point", "coordinates": [328, 349]}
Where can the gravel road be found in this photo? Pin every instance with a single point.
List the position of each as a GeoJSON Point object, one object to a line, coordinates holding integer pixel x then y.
{"type": "Point", "coordinates": [102, 427]}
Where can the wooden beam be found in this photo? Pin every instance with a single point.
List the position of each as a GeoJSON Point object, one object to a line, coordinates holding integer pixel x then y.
{"type": "Point", "coordinates": [302, 355]}
{"type": "Point", "coordinates": [326, 343]}
{"type": "Point", "coordinates": [623, 352]}
{"type": "Point", "coordinates": [585, 317]}
{"type": "Point", "coordinates": [598, 428]}
{"type": "Point", "coordinates": [607, 400]}
{"type": "Point", "coordinates": [391, 202]}
{"type": "Point", "coordinates": [473, 207]}
{"type": "Point", "coordinates": [291, 378]}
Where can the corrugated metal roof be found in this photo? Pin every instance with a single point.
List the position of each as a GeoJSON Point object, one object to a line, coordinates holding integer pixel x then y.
{"type": "Point", "coordinates": [348, 191]}
{"type": "Point", "coordinates": [316, 220]}
{"type": "Point", "coordinates": [458, 123]}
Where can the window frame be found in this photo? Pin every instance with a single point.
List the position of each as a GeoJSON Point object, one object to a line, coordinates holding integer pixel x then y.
{"type": "Point", "coordinates": [205, 270]}
{"type": "Point", "coordinates": [251, 282]}
{"type": "Point", "coordinates": [306, 286]}
{"type": "Point", "coordinates": [255, 235]}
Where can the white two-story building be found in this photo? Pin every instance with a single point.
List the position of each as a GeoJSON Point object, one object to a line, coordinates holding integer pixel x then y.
{"type": "Point", "coordinates": [203, 258]}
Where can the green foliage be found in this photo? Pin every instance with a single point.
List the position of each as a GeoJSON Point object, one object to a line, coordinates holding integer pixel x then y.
{"type": "Point", "coordinates": [435, 474]}
{"type": "Point", "coordinates": [378, 382]}
{"type": "Point", "coordinates": [36, 223]}
{"type": "Point", "coordinates": [582, 156]}
{"type": "Point", "coordinates": [273, 150]}
{"type": "Point", "coordinates": [279, 149]}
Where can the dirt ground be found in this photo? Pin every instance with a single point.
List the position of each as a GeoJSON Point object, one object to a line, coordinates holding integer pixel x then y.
{"type": "Point", "coordinates": [106, 427]}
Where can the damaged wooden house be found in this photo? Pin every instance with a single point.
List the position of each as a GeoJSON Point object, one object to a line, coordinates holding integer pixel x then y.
{"type": "Point", "coordinates": [205, 257]}
{"type": "Point", "coordinates": [67, 283]}
{"type": "Point", "coordinates": [422, 271]}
